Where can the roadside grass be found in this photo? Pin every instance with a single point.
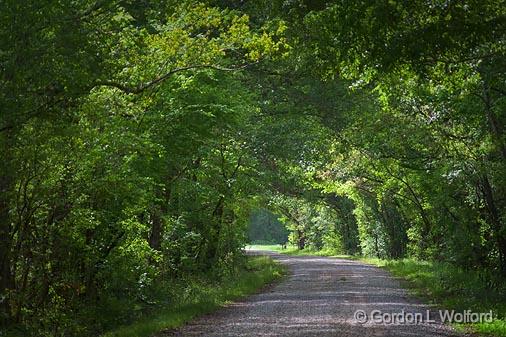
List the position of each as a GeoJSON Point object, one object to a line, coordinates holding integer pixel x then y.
{"type": "Point", "coordinates": [441, 284]}
{"type": "Point", "coordinates": [454, 289]}
{"type": "Point", "coordinates": [259, 272]}
{"type": "Point", "coordinates": [293, 250]}
{"type": "Point", "coordinates": [275, 248]}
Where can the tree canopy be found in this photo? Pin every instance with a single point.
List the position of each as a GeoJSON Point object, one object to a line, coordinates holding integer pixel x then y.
{"type": "Point", "coordinates": [139, 139]}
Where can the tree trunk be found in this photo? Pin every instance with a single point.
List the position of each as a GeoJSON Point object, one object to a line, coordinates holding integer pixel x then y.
{"type": "Point", "coordinates": [301, 240]}
{"type": "Point", "coordinates": [495, 127]}
{"type": "Point", "coordinates": [495, 219]}
{"type": "Point", "coordinates": [155, 236]}
{"type": "Point", "coordinates": [7, 282]}
{"type": "Point", "coordinates": [156, 215]}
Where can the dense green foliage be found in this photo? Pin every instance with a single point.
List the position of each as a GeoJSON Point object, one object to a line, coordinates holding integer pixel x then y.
{"type": "Point", "coordinates": [126, 167]}
{"type": "Point", "coordinates": [138, 137]}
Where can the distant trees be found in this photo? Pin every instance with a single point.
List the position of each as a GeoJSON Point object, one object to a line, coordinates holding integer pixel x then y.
{"type": "Point", "coordinates": [265, 228]}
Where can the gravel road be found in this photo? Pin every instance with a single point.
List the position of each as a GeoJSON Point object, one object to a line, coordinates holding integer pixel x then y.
{"type": "Point", "coordinates": [319, 298]}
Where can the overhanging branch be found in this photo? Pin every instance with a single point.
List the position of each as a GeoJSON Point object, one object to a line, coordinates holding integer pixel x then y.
{"type": "Point", "coordinates": [143, 86]}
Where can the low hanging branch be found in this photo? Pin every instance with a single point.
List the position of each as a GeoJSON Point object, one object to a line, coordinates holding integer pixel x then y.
{"type": "Point", "coordinates": [143, 86]}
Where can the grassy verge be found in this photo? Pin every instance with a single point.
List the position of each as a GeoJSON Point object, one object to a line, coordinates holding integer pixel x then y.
{"type": "Point", "coordinates": [454, 289]}
{"type": "Point", "coordinates": [441, 284]}
{"type": "Point", "coordinates": [293, 250]}
{"type": "Point", "coordinates": [259, 272]}
{"type": "Point", "coordinates": [276, 248]}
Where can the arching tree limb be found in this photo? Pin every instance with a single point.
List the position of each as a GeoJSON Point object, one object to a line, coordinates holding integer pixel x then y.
{"type": "Point", "coordinates": [143, 86]}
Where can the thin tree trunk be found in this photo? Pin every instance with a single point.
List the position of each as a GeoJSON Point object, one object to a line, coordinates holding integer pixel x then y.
{"type": "Point", "coordinates": [155, 235]}
{"type": "Point", "coordinates": [495, 126]}
{"type": "Point", "coordinates": [495, 219]}
{"type": "Point", "coordinates": [7, 282]}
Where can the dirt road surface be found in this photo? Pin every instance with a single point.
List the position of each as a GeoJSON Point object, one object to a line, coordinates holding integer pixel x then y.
{"type": "Point", "coordinates": [319, 298]}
